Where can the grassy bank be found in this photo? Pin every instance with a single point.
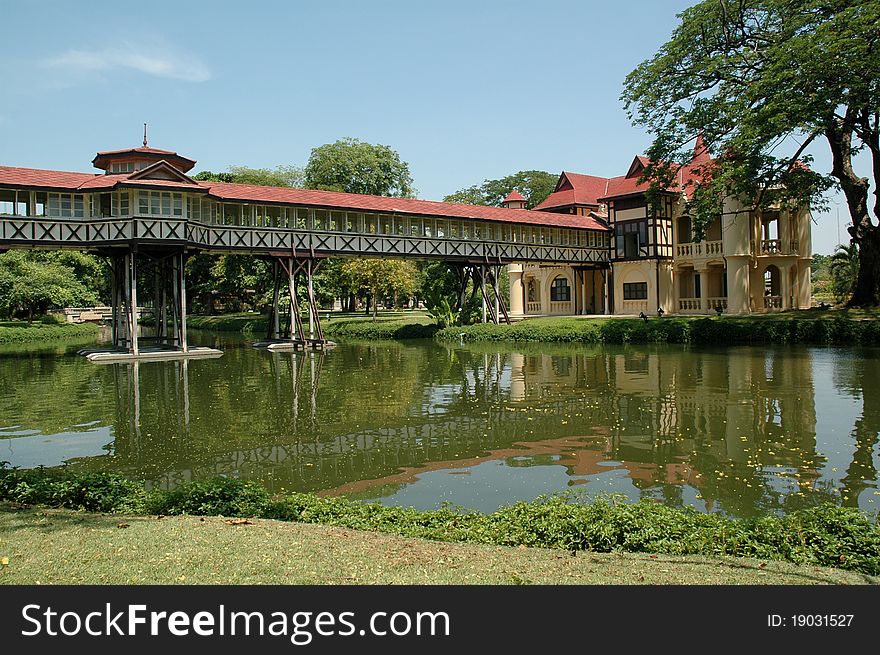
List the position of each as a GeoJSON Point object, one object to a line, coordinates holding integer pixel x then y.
{"type": "Point", "coordinates": [387, 325]}
{"type": "Point", "coordinates": [21, 332]}
{"type": "Point", "coordinates": [65, 547]}
{"type": "Point", "coordinates": [827, 535]}
{"type": "Point", "coordinates": [827, 328]}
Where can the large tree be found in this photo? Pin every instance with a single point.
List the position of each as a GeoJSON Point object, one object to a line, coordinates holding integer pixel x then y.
{"type": "Point", "coordinates": [534, 185]}
{"type": "Point", "coordinates": [32, 283]}
{"type": "Point", "coordinates": [354, 166]}
{"type": "Point", "coordinates": [382, 277]}
{"type": "Point", "coordinates": [763, 81]}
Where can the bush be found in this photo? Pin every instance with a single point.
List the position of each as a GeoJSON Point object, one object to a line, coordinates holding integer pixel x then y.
{"type": "Point", "coordinates": [701, 331]}
{"type": "Point", "coordinates": [20, 332]}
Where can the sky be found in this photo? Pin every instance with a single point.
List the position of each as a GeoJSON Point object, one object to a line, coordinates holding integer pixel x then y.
{"type": "Point", "coordinates": [464, 91]}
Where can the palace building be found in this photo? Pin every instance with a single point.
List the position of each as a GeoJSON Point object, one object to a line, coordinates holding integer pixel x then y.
{"type": "Point", "coordinates": [747, 262]}
{"type": "Point", "coordinates": [594, 246]}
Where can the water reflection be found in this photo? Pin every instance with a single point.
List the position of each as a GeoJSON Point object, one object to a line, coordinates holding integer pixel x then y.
{"type": "Point", "coordinates": [732, 430]}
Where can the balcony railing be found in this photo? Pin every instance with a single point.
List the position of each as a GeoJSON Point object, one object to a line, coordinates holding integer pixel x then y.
{"type": "Point", "coordinates": [702, 305]}
{"type": "Point", "coordinates": [561, 307]}
{"type": "Point", "coordinates": [772, 302]}
{"type": "Point", "coordinates": [533, 308]}
{"type": "Point", "coordinates": [700, 249]}
{"type": "Point", "coordinates": [771, 247]}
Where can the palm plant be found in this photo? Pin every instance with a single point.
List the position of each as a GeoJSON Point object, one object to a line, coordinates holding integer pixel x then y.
{"type": "Point", "coordinates": [844, 268]}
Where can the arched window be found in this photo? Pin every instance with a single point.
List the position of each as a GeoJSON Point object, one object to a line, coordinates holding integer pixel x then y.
{"type": "Point", "coordinates": [559, 290]}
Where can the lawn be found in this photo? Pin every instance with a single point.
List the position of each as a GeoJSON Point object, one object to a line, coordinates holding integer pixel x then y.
{"type": "Point", "coordinates": [51, 546]}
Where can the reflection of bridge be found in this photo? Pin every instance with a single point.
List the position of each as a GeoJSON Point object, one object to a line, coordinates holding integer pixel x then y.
{"type": "Point", "coordinates": [148, 215]}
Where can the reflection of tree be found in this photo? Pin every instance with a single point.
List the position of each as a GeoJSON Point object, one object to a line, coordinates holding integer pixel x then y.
{"type": "Point", "coordinates": [862, 472]}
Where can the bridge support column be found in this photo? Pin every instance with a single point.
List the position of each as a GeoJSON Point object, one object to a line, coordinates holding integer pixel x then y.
{"type": "Point", "coordinates": [169, 299]}
{"type": "Point", "coordinates": [484, 277]}
{"type": "Point", "coordinates": [297, 270]}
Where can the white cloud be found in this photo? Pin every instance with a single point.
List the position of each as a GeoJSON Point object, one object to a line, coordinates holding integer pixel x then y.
{"type": "Point", "coordinates": [159, 61]}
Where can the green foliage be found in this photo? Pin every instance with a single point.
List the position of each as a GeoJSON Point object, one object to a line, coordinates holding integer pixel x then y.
{"type": "Point", "coordinates": [381, 277]}
{"type": "Point", "coordinates": [837, 330]}
{"type": "Point", "coordinates": [282, 176]}
{"type": "Point", "coordinates": [534, 185]}
{"type": "Point", "coordinates": [844, 269]}
{"type": "Point", "coordinates": [32, 282]}
{"type": "Point", "coordinates": [375, 330]}
{"type": "Point", "coordinates": [21, 332]}
{"type": "Point", "coordinates": [223, 496]}
{"type": "Point", "coordinates": [353, 166]}
{"type": "Point", "coordinates": [824, 535]}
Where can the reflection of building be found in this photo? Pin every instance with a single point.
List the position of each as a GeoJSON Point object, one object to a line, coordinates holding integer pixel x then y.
{"type": "Point", "coordinates": [746, 261]}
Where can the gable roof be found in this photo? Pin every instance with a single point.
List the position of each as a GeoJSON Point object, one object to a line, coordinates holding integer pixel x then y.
{"type": "Point", "coordinates": [514, 196]}
{"type": "Point", "coordinates": [575, 189]}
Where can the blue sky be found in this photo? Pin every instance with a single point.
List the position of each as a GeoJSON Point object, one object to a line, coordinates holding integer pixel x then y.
{"type": "Point", "coordinates": [464, 91]}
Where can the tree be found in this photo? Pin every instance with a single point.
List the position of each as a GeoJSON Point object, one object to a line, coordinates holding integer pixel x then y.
{"type": "Point", "coordinates": [283, 176]}
{"type": "Point", "coordinates": [382, 277]}
{"type": "Point", "coordinates": [354, 166]}
{"type": "Point", "coordinates": [844, 269]}
{"type": "Point", "coordinates": [33, 285]}
{"type": "Point", "coordinates": [534, 185]}
{"type": "Point", "coordinates": [762, 81]}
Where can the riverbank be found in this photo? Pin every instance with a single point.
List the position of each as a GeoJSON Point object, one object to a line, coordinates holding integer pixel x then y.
{"type": "Point", "coordinates": [45, 546]}
{"type": "Point", "coordinates": [837, 327]}
{"type": "Point", "coordinates": [21, 332]}
{"type": "Point", "coordinates": [826, 535]}
{"type": "Point", "coordinates": [819, 328]}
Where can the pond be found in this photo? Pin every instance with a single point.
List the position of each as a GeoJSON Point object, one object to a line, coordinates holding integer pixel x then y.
{"type": "Point", "coordinates": [743, 430]}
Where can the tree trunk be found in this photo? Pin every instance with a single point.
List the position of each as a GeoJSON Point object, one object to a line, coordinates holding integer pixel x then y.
{"type": "Point", "coordinates": [867, 289]}
{"type": "Point", "coordinates": [863, 232]}
{"type": "Point", "coordinates": [375, 302]}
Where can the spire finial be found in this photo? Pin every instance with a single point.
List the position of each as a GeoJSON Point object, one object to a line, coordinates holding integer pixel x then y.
{"type": "Point", "coordinates": [145, 135]}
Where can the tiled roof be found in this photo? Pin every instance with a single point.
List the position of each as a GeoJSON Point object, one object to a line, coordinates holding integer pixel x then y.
{"type": "Point", "coordinates": [514, 196]}
{"type": "Point", "coordinates": [358, 202]}
{"type": "Point", "coordinates": [34, 177]}
{"type": "Point", "coordinates": [576, 189]}
{"type": "Point", "coordinates": [151, 151]}
{"type": "Point", "coordinates": [71, 182]}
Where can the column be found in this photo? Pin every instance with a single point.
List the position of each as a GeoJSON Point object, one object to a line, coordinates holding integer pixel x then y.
{"type": "Point", "coordinates": [738, 285]}
{"type": "Point", "coordinates": [515, 275]}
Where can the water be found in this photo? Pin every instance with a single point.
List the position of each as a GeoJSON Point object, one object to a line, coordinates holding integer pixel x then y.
{"type": "Point", "coordinates": [743, 431]}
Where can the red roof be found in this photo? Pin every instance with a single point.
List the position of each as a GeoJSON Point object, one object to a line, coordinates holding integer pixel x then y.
{"type": "Point", "coordinates": [72, 182]}
{"type": "Point", "coordinates": [358, 202]}
{"type": "Point", "coordinates": [34, 177]}
{"type": "Point", "coordinates": [514, 196]}
{"type": "Point", "coordinates": [576, 189]}
{"type": "Point", "coordinates": [102, 159]}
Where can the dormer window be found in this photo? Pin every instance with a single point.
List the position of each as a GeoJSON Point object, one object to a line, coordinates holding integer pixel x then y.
{"type": "Point", "coordinates": [122, 167]}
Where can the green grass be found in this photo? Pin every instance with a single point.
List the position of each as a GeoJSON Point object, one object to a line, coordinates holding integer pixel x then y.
{"type": "Point", "coordinates": [21, 332]}
{"type": "Point", "coordinates": [855, 327]}
{"type": "Point", "coordinates": [387, 325]}
{"type": "Point", "coordinates": [66, 547]}
{"type": "Point", "coordinates": [826, 535]}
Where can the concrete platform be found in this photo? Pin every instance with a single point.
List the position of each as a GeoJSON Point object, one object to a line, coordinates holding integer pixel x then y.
{"type": "Point", "coordinates": [147, 354]}
{"type": "Point", "coordinates": [288, 345]}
